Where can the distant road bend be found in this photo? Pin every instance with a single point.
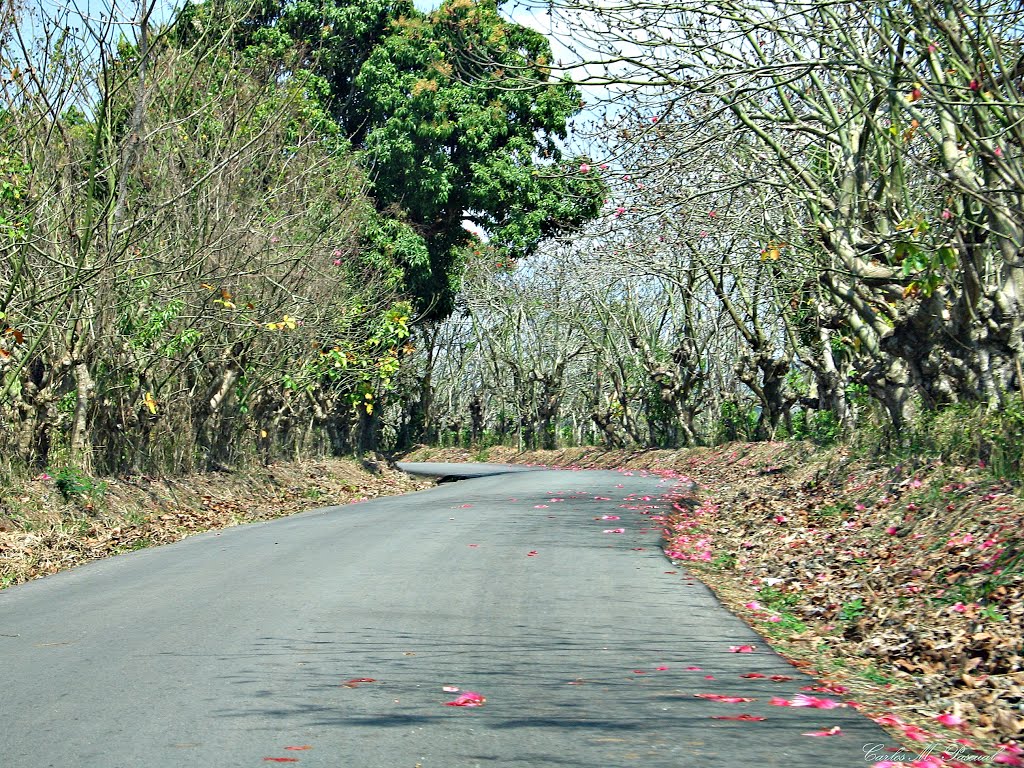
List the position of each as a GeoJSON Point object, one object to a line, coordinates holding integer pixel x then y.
{"type": "Point", "coordinates": [328, 640]}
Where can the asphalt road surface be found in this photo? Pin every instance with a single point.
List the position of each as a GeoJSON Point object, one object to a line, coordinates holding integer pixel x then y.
{"type": "Point", "coordinates": [228, 648]}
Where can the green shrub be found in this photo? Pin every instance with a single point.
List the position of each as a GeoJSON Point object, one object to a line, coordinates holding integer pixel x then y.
{"type": "Point", "coordinates": [820, 427]}
{"type": "Point", "coordinates": [964, 433]}
{"type": "Point", "coordinates": [735, 422]}
{"type": "Point", "coordinates": [77, 487]}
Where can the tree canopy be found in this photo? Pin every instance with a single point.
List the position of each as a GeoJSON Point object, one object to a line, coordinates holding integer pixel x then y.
{"type": "Point", "coordinates": [454, 115]}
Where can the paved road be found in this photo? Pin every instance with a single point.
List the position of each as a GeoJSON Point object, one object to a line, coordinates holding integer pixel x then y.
{"type": "Point", "coordinates": [447, 471]}
{"type": "Point", "coordinates": [224, 649]}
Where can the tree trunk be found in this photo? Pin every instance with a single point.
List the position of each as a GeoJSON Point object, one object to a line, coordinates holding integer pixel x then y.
{"type": "Point", "coordinates": [81, 446]}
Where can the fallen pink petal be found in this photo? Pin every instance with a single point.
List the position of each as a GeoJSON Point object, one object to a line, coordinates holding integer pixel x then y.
{"type": "Point", "coordinates": [723, 698]}
{"type": "Point", "coordinates": [833, 731]}
{"type": "Point", "coordinates": [741, 649]}
{"type": "Point", "coordinates": [355, 681]}
{"type": "Point", "coordinates": [802, 700]}
{"type": "Point", "coordinates": [467, 699]}
{"type": "Point", "coordinates": [1009, 754]}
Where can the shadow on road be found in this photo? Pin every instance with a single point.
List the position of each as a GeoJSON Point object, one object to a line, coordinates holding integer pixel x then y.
{"type": "Point", "coordinates": [597, 699]}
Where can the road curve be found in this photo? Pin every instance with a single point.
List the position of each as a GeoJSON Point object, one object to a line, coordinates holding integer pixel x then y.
{"type": "Point", "coordinates": [449, 471]}
{"type": "Point", "coordinates": [226, 649]}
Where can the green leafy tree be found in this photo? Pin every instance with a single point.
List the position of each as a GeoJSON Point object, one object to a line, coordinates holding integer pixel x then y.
{"type": "Point", "coordinates": [456, 118]}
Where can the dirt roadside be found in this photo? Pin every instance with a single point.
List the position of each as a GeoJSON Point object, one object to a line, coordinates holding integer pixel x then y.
{"type": "Point", "coordinates": [899, 587]}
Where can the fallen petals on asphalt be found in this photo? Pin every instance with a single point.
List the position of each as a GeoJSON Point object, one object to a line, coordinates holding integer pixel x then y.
{"type": "Point", "coordinates": [450, 688]}
{"type": "Point", "coordinates": [723, 698]}
{"type": "Point", "coordinates": [355, 681]}
{"type": "Point", "coordinates": [281, 759]}
{"type": "Point", "coordinates": [833, 731]}
{"type": "Point", "coordinates": [299, 749]}
{"type": "Point", "coordinates": [467, 699]}
{"type": "Point", "coordinates": [949, 720]}
{"type": "Point", "coordinates": [532, 553]}
{"type": "Point", "coordinates": [743, 717]}
{"type": "Point", "coordinates": [614, 530]}
{"type": "Point", "coordinates": [694, 669]}
{"type": "Point", "coordinates": [754, 675]}
{"type": "Point", "coordinates": [610, 517]}
{"type": "Point", "coordinates": [661, 669]}
{"type": "Point", "coordinates": [802, 700]}
{"type": "Point", "coordinates": [741, 649]}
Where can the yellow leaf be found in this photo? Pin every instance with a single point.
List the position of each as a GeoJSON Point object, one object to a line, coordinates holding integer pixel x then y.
{"type": "Point", "coordinates": [263, 433]}
{"type": "Point", "coordinates": [150, 402]}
